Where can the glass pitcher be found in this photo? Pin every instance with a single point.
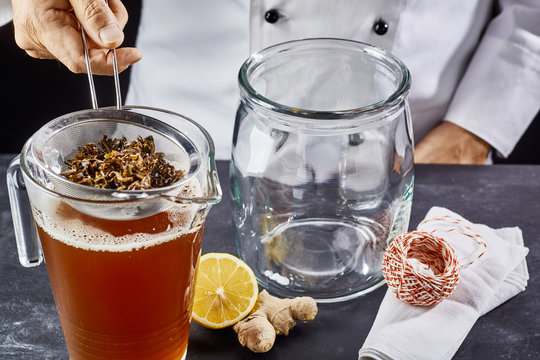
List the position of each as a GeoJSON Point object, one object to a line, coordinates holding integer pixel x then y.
{"type": "Point", "coordinates": [121, 263]}
{"type": "Point", "coordinates": [322, 166]}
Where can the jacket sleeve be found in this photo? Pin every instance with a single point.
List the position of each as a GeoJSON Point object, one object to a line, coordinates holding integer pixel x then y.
{"type": "Point", "coordinates": [499, 94]}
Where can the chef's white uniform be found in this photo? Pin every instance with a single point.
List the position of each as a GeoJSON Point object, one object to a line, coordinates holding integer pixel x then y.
{"type": "Point", "coordinates": [482, 74]}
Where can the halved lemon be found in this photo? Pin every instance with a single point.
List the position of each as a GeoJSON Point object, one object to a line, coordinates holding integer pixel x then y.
{"type": "Point", "coordinates": [226, 291]}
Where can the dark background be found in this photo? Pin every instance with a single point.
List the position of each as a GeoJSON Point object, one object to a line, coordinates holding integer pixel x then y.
{"type": "Point", "coordinates": [36, 91]}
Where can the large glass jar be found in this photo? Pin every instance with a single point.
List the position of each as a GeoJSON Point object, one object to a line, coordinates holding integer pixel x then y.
{"type": "Point", "coordinates": [322, 166]}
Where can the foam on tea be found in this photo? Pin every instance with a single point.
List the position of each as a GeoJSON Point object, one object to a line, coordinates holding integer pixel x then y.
{"type": "Point", "coordinates": [77, 229]}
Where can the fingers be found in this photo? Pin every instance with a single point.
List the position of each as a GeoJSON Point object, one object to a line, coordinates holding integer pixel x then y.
{"type": "Point", "coordinates": [101, 59]}
{"type": "Point", "coordinates": [61, 36]}
{"type": "Point", "coordinates": [49, 29]}
{"type": "Point", "coordinates": [102, 22]}
{"type": "Point", "coordinates": [102, 62]}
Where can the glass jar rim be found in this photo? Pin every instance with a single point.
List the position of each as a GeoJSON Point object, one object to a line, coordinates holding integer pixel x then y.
{"type": "Point", "coordinates": [385, 105]}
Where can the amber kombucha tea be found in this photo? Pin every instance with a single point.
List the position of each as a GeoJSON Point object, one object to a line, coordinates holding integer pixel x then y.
{"type": "Point", "coordinates": [123, 289]}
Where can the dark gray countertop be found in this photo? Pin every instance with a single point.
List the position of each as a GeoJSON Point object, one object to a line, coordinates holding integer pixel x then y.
{"type": "Point", "coordinates": [498, 196]}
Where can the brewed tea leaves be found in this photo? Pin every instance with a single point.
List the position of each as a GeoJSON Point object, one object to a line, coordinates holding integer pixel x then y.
{"type": "Point", "coordinates": [121, 165]}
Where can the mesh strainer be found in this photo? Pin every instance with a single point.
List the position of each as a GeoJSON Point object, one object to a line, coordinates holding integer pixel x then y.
{"type": "Point", "coordinates": [186, 146]}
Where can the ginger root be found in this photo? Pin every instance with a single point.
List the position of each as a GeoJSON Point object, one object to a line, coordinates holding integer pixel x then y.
{"type": "Point", "coordinates": [271, 316]}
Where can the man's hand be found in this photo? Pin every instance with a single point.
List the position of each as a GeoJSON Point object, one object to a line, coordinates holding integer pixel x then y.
{"type": "Point", "coordinates": [451, 144]}
{"type": "Point", "coordinates": [49, 29]}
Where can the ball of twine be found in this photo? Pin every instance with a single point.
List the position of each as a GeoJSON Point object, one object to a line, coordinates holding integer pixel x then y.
{"type": "Point", "coordinates": [421, 268]}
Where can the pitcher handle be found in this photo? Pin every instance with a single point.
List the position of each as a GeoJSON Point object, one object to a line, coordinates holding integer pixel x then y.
{"type": "Point", "coordinates": [26, 235]}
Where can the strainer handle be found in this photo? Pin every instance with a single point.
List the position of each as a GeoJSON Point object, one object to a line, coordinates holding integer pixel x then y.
{"type": "Point", "coordinates": [26, 235]}
{"type": "Point", "coordinates": [93, 95]}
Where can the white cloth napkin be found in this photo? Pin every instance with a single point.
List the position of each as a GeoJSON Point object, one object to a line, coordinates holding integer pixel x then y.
{"type": "Point", "coordinates": [403, 331]}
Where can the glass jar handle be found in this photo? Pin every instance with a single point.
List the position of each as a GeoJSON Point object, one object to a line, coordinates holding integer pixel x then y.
{"type": "Point", "coordinates": [26, 235]}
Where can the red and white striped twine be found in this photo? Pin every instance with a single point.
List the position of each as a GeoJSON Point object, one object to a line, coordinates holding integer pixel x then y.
{"type": "Point", "coordinates": [439, 274]}
{"type": "Point", "coordinates": [454, 224]}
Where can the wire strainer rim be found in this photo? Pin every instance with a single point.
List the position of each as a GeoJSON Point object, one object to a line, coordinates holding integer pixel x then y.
{"type": "Point", "coordinates": [127, 196]}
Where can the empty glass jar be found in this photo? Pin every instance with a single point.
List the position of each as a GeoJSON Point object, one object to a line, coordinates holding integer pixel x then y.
{"type": "Point", "coordinates": [322, 166]}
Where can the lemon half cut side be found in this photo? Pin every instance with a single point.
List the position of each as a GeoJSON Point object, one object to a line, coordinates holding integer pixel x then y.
{"type": "Point", "coordinates": [226, 291]}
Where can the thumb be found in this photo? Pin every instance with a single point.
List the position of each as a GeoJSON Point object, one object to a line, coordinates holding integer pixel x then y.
{"type": "Point", "coordinates": [99, 22]}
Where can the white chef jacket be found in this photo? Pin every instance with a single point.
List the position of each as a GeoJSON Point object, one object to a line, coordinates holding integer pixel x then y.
{"type": "Point", "coordinates": [479, 73]}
